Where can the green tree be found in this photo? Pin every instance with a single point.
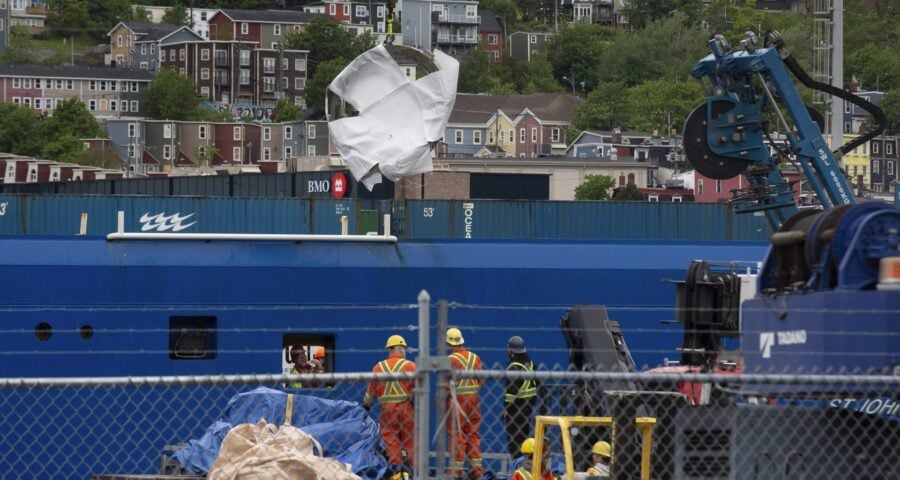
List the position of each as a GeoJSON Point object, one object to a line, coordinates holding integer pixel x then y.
{"type": "Point", "coordinates": [629, 193]}
{"type": "Point", "coordinates": [140, 14]}
{"type": "Point", "coordinates": [594, 187]}
{"type": "Point", "coordinates": [476, 73]}
{"type": "Point", "coordinates": [528, 77]}
{"type": "Point", "coordinates": [326, 40]}
{"type": "Point", "coordinates": [286, 111]}
{"type": "Point", "coordinates": [106, 14]}
{"type": "Point", "coordinates": [505, 9]}
{"type": "Point", "coordinates": [177, 15]}
{"type": "Point", "coordinates": [661, 104]}
{"type": "Point", "coordinates": [604, 109]}
{"type": "Point", "coordinates": [890, 104]}
{"type": "Point", "coordinates": [641, 13]}
{"type": "Point", "coordinates": [574, 53]}
{"type": "Point", "coordinates": [317, 86]}
{"type": "Point", "coordinates": [205, 155]}
{"type": "Point", "coordinates": [201, 114]}
{"type": "Point", "coordinates": [71, 117]}
{"type": "Point", "coordinates": [63, 148]}
{"type": "Point", "coordinates": [71, 17]}
{"type": "Point", "coordinates": [100, 157]}
{"type": "Point", "coordinates": [171, 96]}
{"type": "Point", "coordinates": [18, 130]}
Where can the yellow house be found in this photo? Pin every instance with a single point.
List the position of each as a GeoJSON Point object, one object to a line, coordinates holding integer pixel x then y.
{"type": "Point", "coordinates": [857, 163]}
{"type": "Point", "coordinates": [502, 133]}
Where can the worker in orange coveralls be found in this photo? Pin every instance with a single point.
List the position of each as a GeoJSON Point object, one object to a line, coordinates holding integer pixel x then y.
{"type": "Point", "coordinates": [464, 410]}
{"type": "Point", "coordinates": [395, 399]}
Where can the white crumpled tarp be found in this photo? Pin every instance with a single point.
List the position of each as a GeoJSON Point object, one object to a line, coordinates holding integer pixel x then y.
{"type": "Point", "coordinates": [398, 118]}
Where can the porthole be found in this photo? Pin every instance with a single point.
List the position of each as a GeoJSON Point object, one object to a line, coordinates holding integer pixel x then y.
{"type": "Point", "coordinates": [43, 331]}
{"type": "Point", "coordinates": [86, 332]}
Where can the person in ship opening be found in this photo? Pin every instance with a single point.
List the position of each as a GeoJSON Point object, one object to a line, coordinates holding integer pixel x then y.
{"type": "Point", "coordinates": [302, 364]}
{"type": "Point", "coordinates": [601, 455]}
{"type": "Point", "coordinates": [524, 470]}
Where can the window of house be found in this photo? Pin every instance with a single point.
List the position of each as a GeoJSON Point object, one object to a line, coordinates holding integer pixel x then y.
{"type": "Point", "coordinates": [244, 57]}
{"type": "Point", "coordinates": [300, 101]}
{"type": "Point", "coordinates": [288, 132]}
{"type": "Point", "coordinates": [288, 152]}
{"type": "Point", "coordinates": [676, 199]}
{"type": "Point", "coordinates": [458, 136]}
{"type": "Point", "coordinates": [332, 9]}
{"type": "Point", "coordinates": [123, 105]}
{"type": "Point", "coordinates": [512, 135]}
{"type": "Point", "coordinates": [700, 186]}
{"type": "Point", "coordinates": [37, 83]}
{"type": "Point", "coordinates": [244, 77]}
{"type": "Point", "coordinates": [143, 49]}
{"type": "Point", "coordinates": [864, 168]}
{"type": "Point", "coordinates": [152, 48]}
{"type": "Point", "coordinates": [492, 39]}
{"type": "Point", "coordinates": [17, 83]}
{"type": "Point", "coordinates": [361, 11]}
{"type": "Point", "coordinates": [59, 84]}
{"type": "Point", "coordinates": [201, 151]}
{"type": "Point", "coordinates": [236, 133]}
{"type": "Point", "coordinates": [276, 29]}
{"type": "Point", "coordinates": [167, 130]}
{"type": "Point", "coordinates": [533, 38]}
{"type": "Point", "coordinates": [521, 135]}
{"type": "Point", "coordinates": [16, 100]}
{"type": "Point", "coordinates": [310, 150]}
{"type": "Point", "coordinates": [311, 131]}
{"type": "Point", "coordinates": [50, 104]}
{"type": "Point", "coordinates": [889, 148]}
{"type": "Point", "coordinates": [236, 154]}
{"type": "Point", "coordinates": [132, 151]}
{"type": "Point", "coordinates": [501, 136]}
{"type": "Point", "coordinates": [267, 133]}
{"type": "Point", "coordinates": [285, 64]}
{"type": "Point", "coordinates": [476, 137]}
{"type": "Point", "coordinates": [92, 105]}
{"type": "Point", "coordinates": [718, 186]}
{"type": "Point", "coordinates": [268, 84]}
{"type": "Point", "coordinates": [144, 66]}
{"type": "Point", "coordinates": [204, 74]}
{"type": "Point", "coordinates": [201, 132]}
{"type": "Point", "coordinates": [875, 169]}
{"type": "Point", "coordinates": [167, 152]}
{"type": "Point", "coordinates": [37, 103]}
{"type": "Point", "coordinates": [490, 137]}
{"type": "Point", "coordinates": [245, 28]}
{"type": "Point", "coordinates": [554, 135]}
{"type": "Point", "coordinates": [92, 85]}
{"type": "Point", "coordinates": [890, 167]}
{"type": "Point", "coordinates": [855, 170]}
{"type": "Point", "coordinates": [119, 41]}
{"type": "Point", "coordinates": [379, 12]}
{"type": "Point", "coordinates": [847, 107]}
{"type": "Point", "coordinates": [27, 101]}
{"type": "Point", "coordinates": [70, 84]}
{"type": "Point", "coordinates": [875, 148]}
{"type": "Point", "coordinates": [267, 153]}
{"type": "Point", "coordinates": [299, 83]}
{"type": "Point", "coordinates": [534, 135]}
{"type": "Point", "coordinates": [471, 11]}
{"type": "Point", "coordinates": [346, 9]}
{"type": "Point", "coordinates": [32, 176]}
{"type": "Point", "coordinates": [269, 65]}
{"type": "Point", "coordinates": [172, 55]}
{"type": "Point", "coordinates": [204, 54]}
{"type": "Point", "coordinates": [300, 64]}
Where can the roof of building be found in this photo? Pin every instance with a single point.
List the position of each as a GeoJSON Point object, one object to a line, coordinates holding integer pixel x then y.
{"type": "Point", "coordinates": [146, 28]}
{"type": "Point", "coordinates": [488, 23]}
{"type": "Point", "coordinates": [475, 108]}
{"type": "Point", "coordinates": [74, 71]}
{"type": "Point", "coordinates": [267, 16]}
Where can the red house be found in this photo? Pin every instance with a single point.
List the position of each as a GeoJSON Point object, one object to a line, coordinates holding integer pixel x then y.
{"type": "Point", "coordinates": [492, 36]}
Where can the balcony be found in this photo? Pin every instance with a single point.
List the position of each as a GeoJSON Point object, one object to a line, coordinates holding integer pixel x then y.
{"type": "Point", "coordinates": [445, 18]}
{"type": "Point", "coordinates": [457, 39]}
{"type": "Point", "coordinates": [223, 61]}
{"type": "Point", "coordinates": [41, 10]}
{"type": "Point", "coordinates": [223, 80]}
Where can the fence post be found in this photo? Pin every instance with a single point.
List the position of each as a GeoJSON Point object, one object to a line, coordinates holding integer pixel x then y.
{"type": "Point", "coordinates": [440, 443]}
{"type": "Point", "coordinates": [423, 388]}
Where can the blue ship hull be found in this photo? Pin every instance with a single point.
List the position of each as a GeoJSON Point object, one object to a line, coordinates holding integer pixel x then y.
{"type": "Point", "coordinates": [127, 292]}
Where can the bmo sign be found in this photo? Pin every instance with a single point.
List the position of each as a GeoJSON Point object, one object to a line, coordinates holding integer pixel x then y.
{"type": "Point", "coordinates": [338, 186]}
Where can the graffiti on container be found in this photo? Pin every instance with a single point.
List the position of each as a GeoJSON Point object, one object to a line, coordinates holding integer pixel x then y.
{"type": "Point", "coordinates": [256, 113]}
{"type": "Point", "coordinates": [160, 222]}
{"type": "Point", "coordinates": [3, 208]}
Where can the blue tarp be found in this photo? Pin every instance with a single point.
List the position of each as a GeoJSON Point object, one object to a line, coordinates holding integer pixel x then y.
{"type": "Point", "coordinates": [344, 429]}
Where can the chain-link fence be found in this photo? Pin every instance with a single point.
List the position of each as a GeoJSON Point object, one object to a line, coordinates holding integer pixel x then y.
{"type": "Point", "coordinates": [654, 425]}
{"type": "Point", "coordinates": [581, 376]}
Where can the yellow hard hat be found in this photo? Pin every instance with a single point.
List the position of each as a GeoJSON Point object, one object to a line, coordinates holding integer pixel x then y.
{"type": "Point", "coordinates": [395, 340]}
{"type": "Point", "coordinates": [454, 337]}
{"type": "Point", "coordinates": [601, 448]}
{"type": "Point", "coordinates": [527, 446]}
